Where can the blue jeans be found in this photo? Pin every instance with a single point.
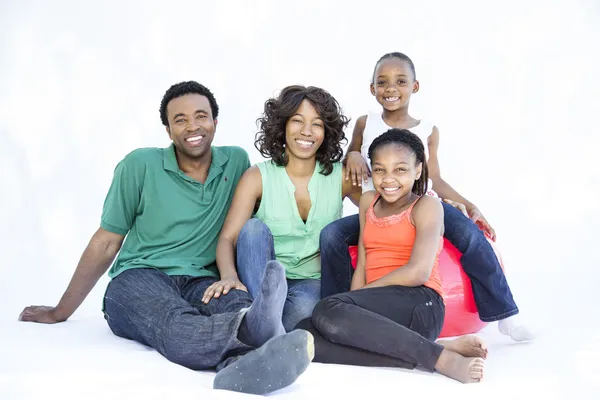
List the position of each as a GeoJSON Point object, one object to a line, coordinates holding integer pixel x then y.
{"type": "Point", "coordinates": [492, 294]}
{"type": "Point", "coordinates": [254, 249]}
{"type": "Point", "coordinates": [166, 313]}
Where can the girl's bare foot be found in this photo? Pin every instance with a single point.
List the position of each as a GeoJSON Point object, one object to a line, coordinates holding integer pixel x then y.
{"type": "Point", "coordinates": [468, 346]}
{"type": "Point", "coordinates": [463, 369]}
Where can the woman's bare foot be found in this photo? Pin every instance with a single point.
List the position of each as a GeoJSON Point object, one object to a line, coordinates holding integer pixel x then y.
{"type": "Point", "coordinates": [468, 346]}
{"type": "Point", "coordinates": [456, 366]}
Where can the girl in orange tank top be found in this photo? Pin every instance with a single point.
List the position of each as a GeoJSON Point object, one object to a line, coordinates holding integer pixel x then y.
{"type": "Point", "coordinates": [394, 312]}
{"type": "Point", "coordinates": [388, 243]}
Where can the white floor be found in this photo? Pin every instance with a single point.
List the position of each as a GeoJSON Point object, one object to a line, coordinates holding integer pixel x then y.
{"type": "Point", "coordinates": [82, 359]}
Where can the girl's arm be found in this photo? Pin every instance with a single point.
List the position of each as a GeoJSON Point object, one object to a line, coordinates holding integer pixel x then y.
{"type": "Point", "coordinates": [349, 190]}
{"type": "Point", "coordinates": [428, 218]}
{"type": "Point", "coordinates": [445, 191]}
{"type": "Point", "coordinates": [247, 193]}
{"type": "Point", "coordinates": [359, 277]}
{"type": "Point", "coordinates": [356, 165]}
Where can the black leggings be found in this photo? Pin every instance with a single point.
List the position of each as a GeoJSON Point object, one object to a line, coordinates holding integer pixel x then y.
{"type": "Point", "coordinates": [392, 326]}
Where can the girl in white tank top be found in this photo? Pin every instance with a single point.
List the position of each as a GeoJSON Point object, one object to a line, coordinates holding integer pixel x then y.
{"type": "Point", "coordinates": [375, 126]}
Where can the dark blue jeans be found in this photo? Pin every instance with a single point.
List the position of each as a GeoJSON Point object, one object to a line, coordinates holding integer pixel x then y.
{"type": "Point", "coordinates": [492, 294]}
{"type": "Point", "coordinates": [254, 249]}
{"type": "Point", "coordinates": [166, 313]}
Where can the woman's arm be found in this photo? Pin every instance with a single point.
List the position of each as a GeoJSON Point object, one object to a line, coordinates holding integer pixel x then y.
{"type": "Point", "coordinates": [359, 277]}
{"type": "Point", "coordinates": [445, 191]}
{"type": "Point", "coordinates": [428, 219]}
{"type": "Point", "coordinates": [247, 193]}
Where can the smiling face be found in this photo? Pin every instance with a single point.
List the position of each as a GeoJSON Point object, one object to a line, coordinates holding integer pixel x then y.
{"type": "Point", "coordinates": [304, 132]}
{"type": "Point", "coordinates": [394, 171]}
{"type": "Point", "coordinates": [191, 125]}
{"type": "Point", "coordinates": [393, 84]}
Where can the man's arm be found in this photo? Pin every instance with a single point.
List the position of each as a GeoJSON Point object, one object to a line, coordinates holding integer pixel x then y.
{"type": "Point", "coordinates": [95, 260]}
{"type": "Point", "coordinates": [118, 215]}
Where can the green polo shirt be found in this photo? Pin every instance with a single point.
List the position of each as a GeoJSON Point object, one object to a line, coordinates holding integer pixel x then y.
{"type": "Point", "coordinates": [172, 221]}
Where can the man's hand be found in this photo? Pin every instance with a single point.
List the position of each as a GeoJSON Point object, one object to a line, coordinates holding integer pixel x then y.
{"type": "Point", "coordinates": [477, 217]}
{"type": "Point", "coordinates": [222, 287]}
{"type": "Point", "coordinates": [42, 314]}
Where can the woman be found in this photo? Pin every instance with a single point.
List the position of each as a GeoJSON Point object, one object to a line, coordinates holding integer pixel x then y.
{"type": "Point", "coordinates": [293, 195]}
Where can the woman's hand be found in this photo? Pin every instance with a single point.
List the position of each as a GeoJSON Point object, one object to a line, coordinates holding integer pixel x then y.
{"type": "Point", "coordinates": [222, 287]}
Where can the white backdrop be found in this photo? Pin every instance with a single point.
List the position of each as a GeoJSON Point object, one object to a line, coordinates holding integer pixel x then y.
{"type": "Point", "coordinates": [512, 87]}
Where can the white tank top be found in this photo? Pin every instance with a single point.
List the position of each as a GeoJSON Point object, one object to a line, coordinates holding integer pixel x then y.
{"type": "Point", "coordinates": [375, 126]}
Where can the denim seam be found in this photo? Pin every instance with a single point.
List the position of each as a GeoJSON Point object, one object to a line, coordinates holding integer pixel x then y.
{"type": "Point", "coordinates": [501, 316]}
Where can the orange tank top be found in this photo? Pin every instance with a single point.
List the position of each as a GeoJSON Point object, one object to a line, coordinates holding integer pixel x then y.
{"type": "Point", "coordinates": [388, 245]}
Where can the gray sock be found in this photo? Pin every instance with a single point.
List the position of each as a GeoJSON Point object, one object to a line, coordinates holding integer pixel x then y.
{"type": "Point", "coordinates": [263, 319]}
{"type": "Point", "coordinates": [275, 365]}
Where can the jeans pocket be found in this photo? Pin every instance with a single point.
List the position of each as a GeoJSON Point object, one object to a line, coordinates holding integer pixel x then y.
{"type": "Point", "coordinates": [425, 321]}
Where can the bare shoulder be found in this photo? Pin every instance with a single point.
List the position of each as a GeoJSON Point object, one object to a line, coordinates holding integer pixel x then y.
{"type": "Point", "coordinates": [252, 174]}
{"type": "Point", "coordinates": [361, 122]}
{"type": "Point", "coordinates": [251, 181]}
{"type": "Point", "coordinates": [428, 207]}
{"type": "Point", "coordinates": [366, 199]}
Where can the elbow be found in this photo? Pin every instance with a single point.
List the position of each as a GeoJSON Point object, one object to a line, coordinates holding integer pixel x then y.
{"type": "Point", "coordinates": [420, 276]}
{"type": "Point", "coordinates": [436, 180]}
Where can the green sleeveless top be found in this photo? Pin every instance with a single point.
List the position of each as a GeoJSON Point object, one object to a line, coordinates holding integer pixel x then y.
{"type": "Point", "coordinates": [296, 242]}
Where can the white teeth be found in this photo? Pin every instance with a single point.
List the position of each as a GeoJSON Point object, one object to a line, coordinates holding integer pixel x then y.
{"type": "Point", "coordinates": [391, 98]}
{"type": "Point", "coordinates": [194, 138]}
{"type": "Point", "coordinates": [390, 189]}
{"type": "Point", "coordinates": [304, 143]}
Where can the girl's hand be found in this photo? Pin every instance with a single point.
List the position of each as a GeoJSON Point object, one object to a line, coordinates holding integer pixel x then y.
{"type": "Point", "coordinates": [459, 206]}
{"type": "Point", "coordinates": [356, 168]}
{"type": "Point", "coordinates": [477, 217]}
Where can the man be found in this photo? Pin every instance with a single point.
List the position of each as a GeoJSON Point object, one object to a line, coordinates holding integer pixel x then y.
{"type": "Point", "coordinates": [163, 212]}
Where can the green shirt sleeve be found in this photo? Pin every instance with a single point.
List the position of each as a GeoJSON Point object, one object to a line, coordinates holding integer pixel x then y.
{"type": "Point", "coordinates": [123, 198]}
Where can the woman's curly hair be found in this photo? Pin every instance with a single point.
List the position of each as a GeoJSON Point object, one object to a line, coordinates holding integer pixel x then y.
{"type": "Point", "coordinates": [270, 139]}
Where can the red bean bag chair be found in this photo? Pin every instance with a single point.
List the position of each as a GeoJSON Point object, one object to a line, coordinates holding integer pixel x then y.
{"type": "Point", "coordinates": [461, 313]}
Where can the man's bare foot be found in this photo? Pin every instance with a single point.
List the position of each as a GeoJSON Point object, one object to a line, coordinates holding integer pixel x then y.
{"type": "Point", "coordinates": [456, 366]}
{"type": "Point", "coordinates": [467, 345]}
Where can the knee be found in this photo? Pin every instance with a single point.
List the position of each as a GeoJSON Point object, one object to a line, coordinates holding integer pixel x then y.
{"type": "Point", "coordinates": [177, 347]}
{"type": "Point", "coordinates": [326, 317]}
{"type": "Point", "coordinates": [305, 324]}
{"type": "Point", "coordinates": [459, 229]}
{"type": "Point", "coordinates": [254, 228]}
{"type": "Point", "coordinates": [181, 354]}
